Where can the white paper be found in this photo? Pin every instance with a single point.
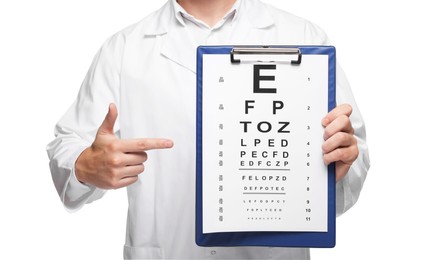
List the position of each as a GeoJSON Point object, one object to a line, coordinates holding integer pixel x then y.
{"type": "Point", "coordinates": [263, 166]}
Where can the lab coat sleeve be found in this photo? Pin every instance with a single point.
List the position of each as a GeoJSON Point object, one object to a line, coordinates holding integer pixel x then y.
{"type": "Point", "coordinates": [76, 130]}
{"type": "Point", "coordinates": [348, 189]}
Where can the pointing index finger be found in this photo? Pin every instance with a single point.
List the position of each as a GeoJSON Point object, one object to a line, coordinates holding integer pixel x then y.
{"type": "Point", "coordinates": [145, 144]}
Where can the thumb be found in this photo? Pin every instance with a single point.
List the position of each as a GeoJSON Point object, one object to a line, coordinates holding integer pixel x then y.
{"type": "Point", "coordinates": [109, 121]}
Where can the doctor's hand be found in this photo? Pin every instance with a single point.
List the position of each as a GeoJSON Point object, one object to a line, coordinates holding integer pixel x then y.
{"type": "Point", "coordinates": [340, 145]}
{"type": "Point", "coordinates": [111, 163]}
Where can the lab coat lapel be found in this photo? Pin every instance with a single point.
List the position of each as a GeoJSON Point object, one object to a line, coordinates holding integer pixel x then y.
{"type": "Point", "coordinates": [249, 13]}
{"type": "Point", "coordinates": [176, 44]}
{"type": "Point", "coordinates": [179, 47]}
{"type": "Point", "coordinates": [250, 29]}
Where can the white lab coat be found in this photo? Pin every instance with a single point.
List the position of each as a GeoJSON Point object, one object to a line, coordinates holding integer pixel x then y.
{"type": "Point", "coordinates": [148, 71]}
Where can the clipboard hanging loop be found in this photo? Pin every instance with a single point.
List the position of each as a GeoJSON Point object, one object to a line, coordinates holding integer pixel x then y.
{"type": "Point", "coordinates": [266, 51]}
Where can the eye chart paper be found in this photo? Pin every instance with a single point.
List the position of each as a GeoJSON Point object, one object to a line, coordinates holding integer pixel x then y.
{"type": "Point", "coordinates": [262, 166]}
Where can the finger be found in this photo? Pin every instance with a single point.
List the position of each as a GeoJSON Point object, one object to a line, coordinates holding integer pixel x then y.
{"type": "Point", "coordinates": [144, 144]}
{"type": "Point", "coordinates": [341, 124]}
{"type": "Point", "coordinates": [131, 171]}
{"type": "Point", "coordinates": [339, 139]}
{"type": "Point", "coordinates": [128, 171]}
{"type": "Point", "coordinates": [346, 155]}
{"type": "Point", "coordinates": [120, 160]}
{"type": "Point", "coordinates": [109, 121]}
{"type": "Point", "coordinates": [126, 182]}
{"type": "Point", "coordinates": [134, 158]}
{"type": "Point", "coordinates": [344, 109]}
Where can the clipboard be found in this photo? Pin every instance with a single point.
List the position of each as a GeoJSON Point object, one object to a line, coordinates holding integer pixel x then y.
{"type": "Point", "coordinates": [291, 59]}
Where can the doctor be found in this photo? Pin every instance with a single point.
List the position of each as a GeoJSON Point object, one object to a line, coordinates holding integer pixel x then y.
{"type": "Point", "coordinates": [138, 98]}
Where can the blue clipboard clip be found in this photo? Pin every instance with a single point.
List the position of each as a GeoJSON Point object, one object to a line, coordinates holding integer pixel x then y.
{"type": "Point", "coordinates": [265, 50]}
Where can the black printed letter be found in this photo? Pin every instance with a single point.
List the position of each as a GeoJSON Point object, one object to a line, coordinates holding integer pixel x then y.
{"type": "Point", "coordinates": [258, 78]}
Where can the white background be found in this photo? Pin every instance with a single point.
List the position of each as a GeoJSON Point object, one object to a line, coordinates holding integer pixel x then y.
{"type": "Point", "coordinates": [46, 48]}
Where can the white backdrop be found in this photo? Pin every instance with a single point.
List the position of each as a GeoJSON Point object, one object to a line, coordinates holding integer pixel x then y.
{"type": "Point", "coordinates": [47, 46]}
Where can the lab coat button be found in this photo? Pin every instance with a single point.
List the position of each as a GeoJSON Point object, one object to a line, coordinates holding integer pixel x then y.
{"type": "Point", "coordinates": [213, 252]}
